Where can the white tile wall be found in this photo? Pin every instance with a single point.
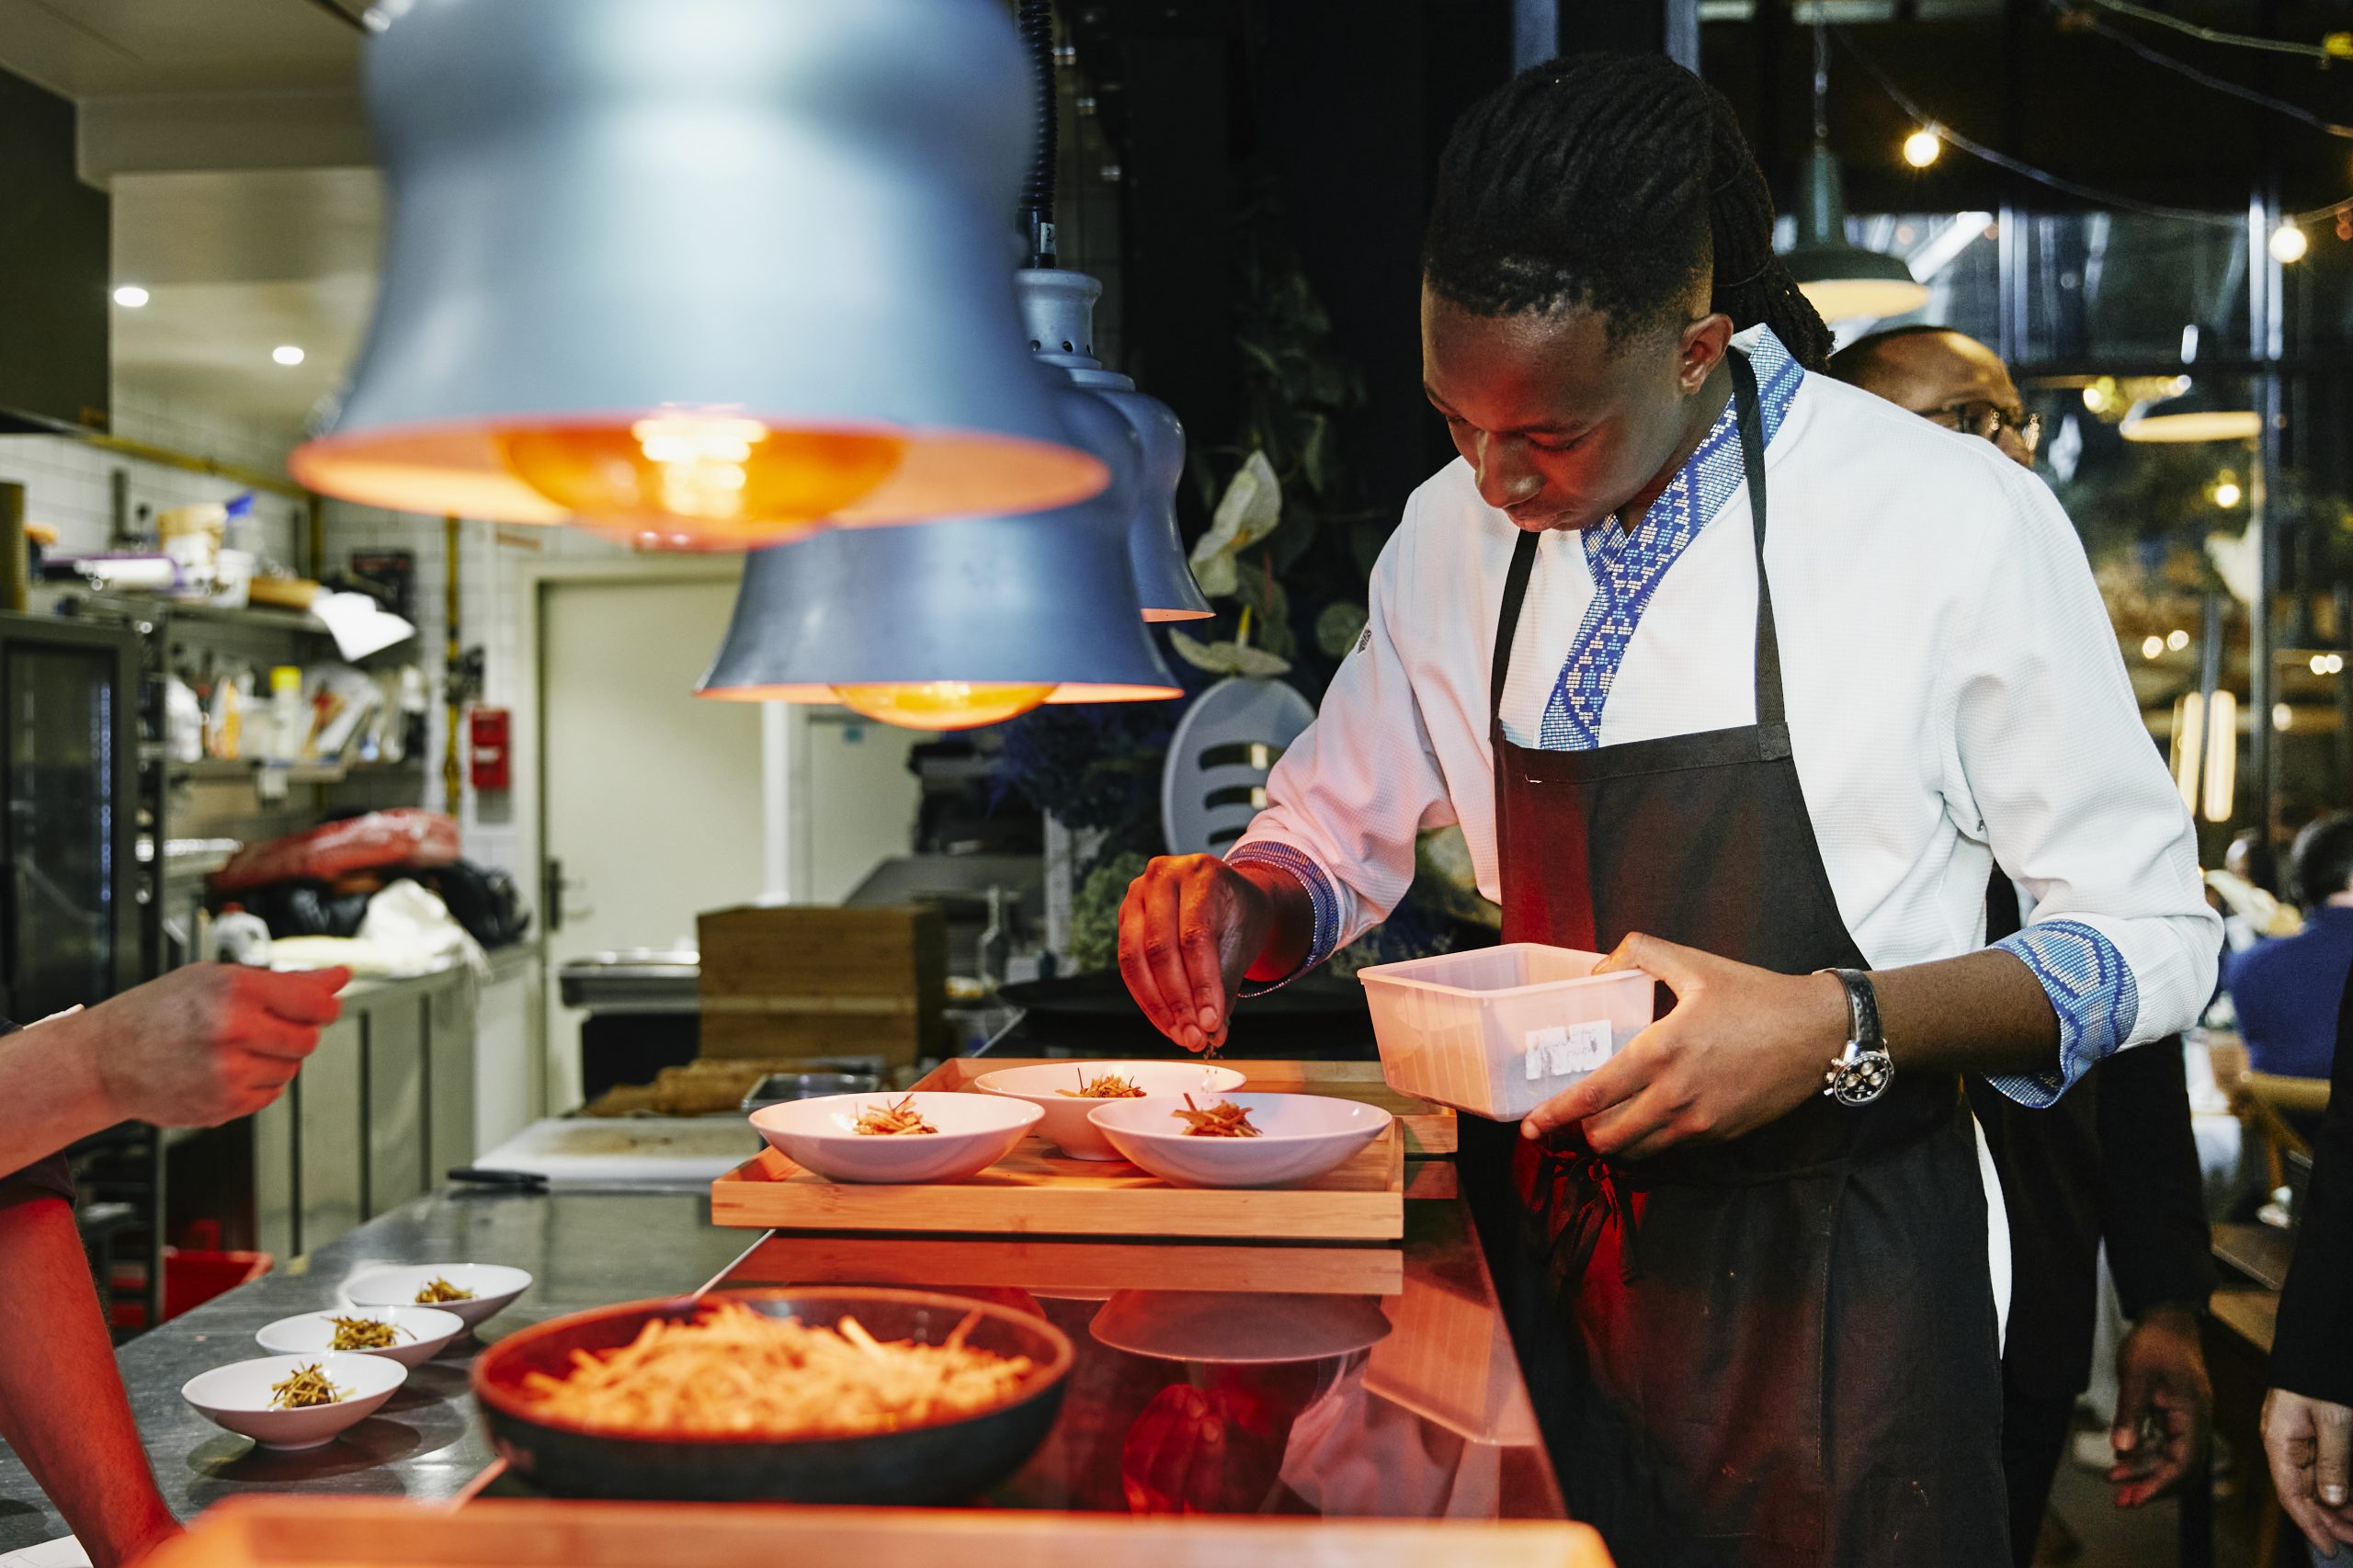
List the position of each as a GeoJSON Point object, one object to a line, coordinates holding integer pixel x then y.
{"type": "Point", "coordinates": [67, 486]}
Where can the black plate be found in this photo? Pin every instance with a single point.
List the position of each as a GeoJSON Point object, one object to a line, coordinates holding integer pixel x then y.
{"type": "Point", "coordinates": [942, 1463]}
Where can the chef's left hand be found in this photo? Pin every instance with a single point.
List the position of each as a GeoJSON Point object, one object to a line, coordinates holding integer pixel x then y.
{"type": "Point", "coordinates": [1741, 1047]}
{"type": "Point", "coordinates": [2163, 1405]}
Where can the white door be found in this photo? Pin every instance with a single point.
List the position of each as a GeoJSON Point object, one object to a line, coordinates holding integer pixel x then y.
{"type": "Point", "coordinates": [652, 794]}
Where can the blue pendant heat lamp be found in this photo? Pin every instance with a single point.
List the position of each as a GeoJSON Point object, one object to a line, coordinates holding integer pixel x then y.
{"type": "Point", "coordinates": [705, 272]}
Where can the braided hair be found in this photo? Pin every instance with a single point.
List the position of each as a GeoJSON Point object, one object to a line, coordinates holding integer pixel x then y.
{"type": "Point", "coordinates": [1615, 182]}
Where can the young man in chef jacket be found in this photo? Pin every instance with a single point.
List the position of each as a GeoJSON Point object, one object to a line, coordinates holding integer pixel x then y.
{"type": "Point", "coordinates": [1653, 644]}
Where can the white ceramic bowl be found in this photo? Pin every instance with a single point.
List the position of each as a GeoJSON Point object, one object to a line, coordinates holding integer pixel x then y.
{"type": "Point", "coordinates": [419, 1334]}
{"type": "Point", "coordinates": [975, 1133]}
{"type": "Point", "coordinates": [1300, 1136]}
{"type": "Point", "coordinates": [395, 1285]}
{"type": "Point", "coordinates": [237, 1397]}
{"type": "Point", "coordinates": [1065, 1124]}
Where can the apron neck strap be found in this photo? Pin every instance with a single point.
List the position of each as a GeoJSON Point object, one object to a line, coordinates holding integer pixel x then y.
{"type": "Point", "coordinates": [1746, 412]}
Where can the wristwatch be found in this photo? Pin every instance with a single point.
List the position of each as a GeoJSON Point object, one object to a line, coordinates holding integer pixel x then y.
{"type": "Point", "coordinates": [1861, 1073]}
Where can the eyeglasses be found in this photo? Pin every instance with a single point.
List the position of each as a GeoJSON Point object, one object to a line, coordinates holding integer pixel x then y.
{"type": "Point", "coordinates": [1987, 421]}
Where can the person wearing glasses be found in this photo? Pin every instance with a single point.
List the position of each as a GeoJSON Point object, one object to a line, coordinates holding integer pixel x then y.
{"type": "Point", "coordinates": [2114, 1160]}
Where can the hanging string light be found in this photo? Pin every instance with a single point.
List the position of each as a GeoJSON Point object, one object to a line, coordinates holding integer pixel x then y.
{"type": "Point", "coordinates": [1922, 147]}
{"type": "Point", "coordinates": [2289, 243]}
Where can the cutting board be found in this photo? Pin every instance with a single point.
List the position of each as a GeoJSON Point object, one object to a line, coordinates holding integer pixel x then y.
{"type": "Point", "coordinates": [1429, 1128]}
{"type": "Point", "coordinates": [319, 1532]}
{"type": "Point", "coordinates": [682, 1153]}
{"type": "Point", "coordinates": [1039, 1190]}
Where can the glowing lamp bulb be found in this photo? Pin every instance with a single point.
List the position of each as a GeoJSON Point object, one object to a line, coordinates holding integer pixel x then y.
{"type": "Point", "coordinates": [2176, 640]}
{"type": "Point", "coordinates": [130, 296]}
{"type": "Point", "coordinates": [2095, 397]}
{"type": "Point", "coordinates": [943, 704]}
{"type": "Point", "coordinates": [1922, 147]}
{"type": "Point", "coordinates": [700, 477]}
{"type": "Point", "coordinates": [2152, 646]}
{"type": "Point", "coordinates": [2289, 243]}
{"type": "Point", "coordinates": [2227, 494]}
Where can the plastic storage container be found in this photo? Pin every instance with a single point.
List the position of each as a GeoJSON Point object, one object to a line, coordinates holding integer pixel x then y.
{"type": "Point", "coordinates": [1497, 1031]}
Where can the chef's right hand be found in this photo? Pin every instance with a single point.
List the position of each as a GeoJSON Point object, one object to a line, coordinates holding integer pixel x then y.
{"type": "Point", "coordinates": [205, 1044]}
{"type": "Point", "coordinates": [1190, 929]}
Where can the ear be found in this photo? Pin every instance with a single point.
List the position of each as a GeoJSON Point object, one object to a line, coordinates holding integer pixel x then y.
{"type": "Point", "coordinates": [1700, 350]}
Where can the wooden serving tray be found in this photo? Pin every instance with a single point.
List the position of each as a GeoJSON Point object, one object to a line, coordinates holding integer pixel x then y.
{"type": "Point", "coordinates": [1039, 1190]}
{"type": "Point", "coordinates": [289, 1532]}
{"type": "Point", "coordinates": [1069, 1268]}
{"type": "Point", "coordinates": [1429, 1129]}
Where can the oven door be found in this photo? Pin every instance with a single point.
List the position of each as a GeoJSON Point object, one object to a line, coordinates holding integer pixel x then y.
{"type": "Point", "coordinates": [69, 776]}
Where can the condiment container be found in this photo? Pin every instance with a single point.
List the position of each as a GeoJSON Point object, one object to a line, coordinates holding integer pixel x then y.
{"type": "Point", "coordinates": [1497, 1031]}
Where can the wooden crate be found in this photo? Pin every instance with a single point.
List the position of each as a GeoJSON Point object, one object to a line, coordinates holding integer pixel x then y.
{"type": "Point", "coordinates": [1039, 1190]}
{"type": "Point", "coordinates": [289, 1532]}
{"type": "Point", "coordinates": [1429, 1128]}
{"type": "Point", "coordinates": [797, 981]}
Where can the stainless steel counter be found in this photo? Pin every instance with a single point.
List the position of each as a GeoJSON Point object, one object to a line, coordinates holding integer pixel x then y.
{"type": "Point", "coordinates": [583, 1250]}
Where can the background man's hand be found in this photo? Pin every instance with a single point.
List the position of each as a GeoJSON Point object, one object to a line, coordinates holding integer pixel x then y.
{"type": "Point", "coordinates": [1190, 929]}
{"type": "Point", "coordinates": [2310, 1445]}
{"type": "Point", "coordinates": [2163, 1405]}
{"type": "Point", "coordinates": [205, 1044]}
{"type": "Point", "coordinates": [1741, 1047]}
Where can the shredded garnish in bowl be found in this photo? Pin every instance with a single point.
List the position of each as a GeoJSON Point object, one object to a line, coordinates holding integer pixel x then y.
{"type": "Point", "coordinates": [303, 1388]}
{"type": "Point", "coordinates": [884, 1122]}
{"type": "Point", "coordinates": [1109, 1086]}
{"type": "Point", "coordinates": [365, 1333]}
{"type": "Point", "coordinates": [733, 1372]}
{"type": "Point", "coordinates": [440, 1289]}
{"type": "Point", "coordinates": [1224, 1119]}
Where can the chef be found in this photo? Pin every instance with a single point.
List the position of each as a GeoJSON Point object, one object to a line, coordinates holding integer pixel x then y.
{"type": "Point", "coordinates": [1651, 643]}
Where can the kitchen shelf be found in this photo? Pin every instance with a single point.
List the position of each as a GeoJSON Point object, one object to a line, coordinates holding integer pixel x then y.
{"type": "Point", "coordinates": [233, 770]}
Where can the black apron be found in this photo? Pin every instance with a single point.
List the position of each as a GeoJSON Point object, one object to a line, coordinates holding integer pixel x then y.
{"type": "Point", "coordinates": [1775, 1350]}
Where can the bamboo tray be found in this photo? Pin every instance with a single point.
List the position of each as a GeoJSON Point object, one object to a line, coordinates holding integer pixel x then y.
{"type": "Point", "coordinates": [286, 1532]}
{"type": "Point", "coordinates": [1039, 1190]}
{"type": "Point", "coordinates": [1429, 1129]}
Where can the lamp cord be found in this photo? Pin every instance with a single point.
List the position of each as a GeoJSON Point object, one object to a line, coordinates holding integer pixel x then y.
{"type": "Point", "coordinates": [1036, 20]}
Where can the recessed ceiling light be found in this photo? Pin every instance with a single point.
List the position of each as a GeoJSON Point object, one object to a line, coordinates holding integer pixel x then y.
{"type": "Point", "coordinates": [287, 354]}
{"type": "Point", "coordinates": [130, 296]}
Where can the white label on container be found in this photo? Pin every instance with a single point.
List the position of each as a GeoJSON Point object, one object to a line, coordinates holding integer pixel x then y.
{"type": "Point", "coordinates": [1541, 1045]}
{"type": "Point", "coordinates": [1588, 1045]}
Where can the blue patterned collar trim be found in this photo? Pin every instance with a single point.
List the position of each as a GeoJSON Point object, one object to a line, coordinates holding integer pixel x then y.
{"type": "Point", "coordinates": [1627, 565]}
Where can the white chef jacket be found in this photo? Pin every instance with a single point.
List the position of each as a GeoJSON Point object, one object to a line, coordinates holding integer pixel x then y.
{"type": "Point", "coordinates": [1955, 695]}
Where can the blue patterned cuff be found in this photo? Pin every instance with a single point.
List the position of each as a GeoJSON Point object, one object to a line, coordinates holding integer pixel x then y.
{"type": "Point", "coordinates": [1320, 892]}
{"type": "Point", "coordinates": [2091, 989]}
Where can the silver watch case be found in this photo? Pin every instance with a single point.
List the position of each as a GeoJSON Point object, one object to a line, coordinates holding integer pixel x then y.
{"type": "Point", "coordinates": [1858, 1077]}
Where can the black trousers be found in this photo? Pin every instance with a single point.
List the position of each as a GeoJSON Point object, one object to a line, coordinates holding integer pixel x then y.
{"type": "Point", "coordinates": [2035, 1433]}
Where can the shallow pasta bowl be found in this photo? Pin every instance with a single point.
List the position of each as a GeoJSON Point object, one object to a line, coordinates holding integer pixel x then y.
{"type": "Point", "coordinates": [974, 1133]}
{"type": "Point", "coordinates": [419, 1334]}
{"type": "Point", "coordinates": [493, 1285]}
{"type": "Point", "coordinates": [1051, 1087]}
{"type": "Point", "coordinates": [238, 1397]}
{"type": "Point", "coordinates": [934, 1462]}
{"type": "Point", "coordinates": [1300, 1136]}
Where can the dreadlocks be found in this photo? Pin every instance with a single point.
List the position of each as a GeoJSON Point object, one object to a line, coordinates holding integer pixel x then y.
{"type": "Point", "coordinates": [1615, 182]}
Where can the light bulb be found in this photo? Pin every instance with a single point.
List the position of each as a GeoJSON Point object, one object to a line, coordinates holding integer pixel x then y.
{"type": "Point", "coordinates": [943, 704]}
{"type": "Point", "coordinates": [287, 354]}
{"type": "Point", "coordinates": [2227, 494]}
{"type": "Point", "coordinates": [2176, 640]}
{"type": "Point", "coordinates": [709, 478]}
{"type": "Point", "coordinates": [2151, 646]}
{"type": "Point", "coordinates": [1921, 148]}
{"type": "Point", "coordinates": [2282, 716]}
{"type": "Point", "coordinates": [2095, 397]}
{"type": "Point", "coordinates": [2289, 243]}
{"type": "Point", "coordinates": [130, 296]}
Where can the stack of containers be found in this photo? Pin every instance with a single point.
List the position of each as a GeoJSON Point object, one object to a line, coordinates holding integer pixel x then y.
{"type": "Point", "coordinates": [1497, 1031]}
